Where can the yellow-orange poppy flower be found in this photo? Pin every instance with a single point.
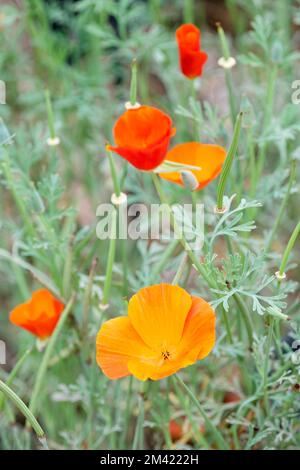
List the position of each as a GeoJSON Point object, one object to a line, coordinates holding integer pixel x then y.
{"type": "Point", "coordinates": [166, 329]}
{"type": "Point", "coordinates": [209, 158]}
{"type": "Point", "coordinates": [39, 315]}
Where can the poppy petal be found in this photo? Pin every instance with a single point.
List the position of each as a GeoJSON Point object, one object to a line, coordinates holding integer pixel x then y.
{"type": "Point", "coordinates": [208, 157]}
{"type": "Point", "coordinates": [118, 342]}
{"type": "Point", "coordinates": [158, 314]}
{"type": "Point", "coordinates": [198, 337]}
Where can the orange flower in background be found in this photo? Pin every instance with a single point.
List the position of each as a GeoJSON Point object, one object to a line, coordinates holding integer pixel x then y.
{"type": "Point", "coordinates": [166, 329]}
{"type": "Point", "coordinates": [209, 158]}
{"type": "Point", "coordinates": [39, 315]}
{"type": "Point", "coordinates": [191, 58]}
{"type": "Point", "coordinates": [142, 136]}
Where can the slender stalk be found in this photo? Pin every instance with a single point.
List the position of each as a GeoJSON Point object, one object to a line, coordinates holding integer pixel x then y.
{"type": "Point", "coordinates": [180, 269]}
{"type": "Point", "coordinates": [47, 355]}
{"type": "Point", "coordinates": [288, 249]}
{"type": "Point", "coordinates": [18, 200]}
{"type": "Point", "coordinates": [220, 441]}
{"type": "Point", "coordinates": [168, 252]}
{"type": "Point", "coordinates": [133, 83]}
{"type": "Point", "coordinates": [13, 373]}
{"type": "Point", "coordinates": [282, 207]}
{"type": "Point", "coordinates": [266, 363]}
{"type": "Point", "coordinates": [228, 161]}
{"type": "Point", "coordinates": [127, 413]}
{"type": "Point", "coordinates": [11, 395]}
{"type": "Point", "coordinates": [139, 430]}
{"type": "Point", "coordinates": [228, 73]}
{"type": "Point", "coordinates": [111, 258]}
{"type": "Point", "coordinates": [188, 11]}
{"type": "Point", "coordinates": [114, 176]}
{"type": "Point", "coordinates": [87, 298]}
{"type": "Point", "coordinates": [244, 312]}
{"type": "Point", "coordinates": [67, 274]}
{"type": "Point", "coordinates": [50, 114]}
{"type": "Point", "coordinates": [197, 264]}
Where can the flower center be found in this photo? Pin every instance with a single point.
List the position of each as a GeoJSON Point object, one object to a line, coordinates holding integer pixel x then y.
{"type": "Point", "coordinates": [165, 354]}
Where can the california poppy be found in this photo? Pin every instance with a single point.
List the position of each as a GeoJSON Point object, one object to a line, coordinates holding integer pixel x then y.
{"type": "Point", "coordinates": [39, 315]}
{"type": "Point", "coordinates": [142, 136]}
{"type": "Point", "coordinates": [191, 58]}
{"type": "Point", "coordinates": [209, 158]}
{"type": "Point", "coordinates": [166, 329]}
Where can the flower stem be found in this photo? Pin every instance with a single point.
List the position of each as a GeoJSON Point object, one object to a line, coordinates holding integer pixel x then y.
{"type": "Point", "coordinates": [282, 207]}
{"type": "Point", "coordinates": [288, 249]}
{"type": "Point", "coordinates": [87, 298]}
{"type": "Point", "coordinates": [228, 162]}
{"type": "Point", "coordinates": [244, 312]}
{"type": "Point", "coordinates": [111, 257]}
{"type": "Point", "coordinates": [180, 269]}
{"type": "Point", "coordinates": [11, 395]}
{"type": "Point", "coordinates": [228, 73]}
{"type": "Point", "coordinates": [113, 171]}
{"type": "Point", "coordinates": [133, 83]}
{"type": "Point", "coordinates": [13, 373]}
{"type": "Point", "coordinates": [139, 430]}
{"type": "Point", "coordinates": [220, 441]}
{"type": "Point", "coordinates": [196, 262]}
{"type": "Point", "coordinates": [266, 363]}
{"type": "Point", "coordinates": [188, 11]}
{"type": "Point", "coordinates": [47, 355]}
{"type": "Point", "coordinates": [50, 114]}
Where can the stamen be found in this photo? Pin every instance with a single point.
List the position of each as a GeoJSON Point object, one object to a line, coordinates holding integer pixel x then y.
{"type": "Point", "coordinates": [166, 355]}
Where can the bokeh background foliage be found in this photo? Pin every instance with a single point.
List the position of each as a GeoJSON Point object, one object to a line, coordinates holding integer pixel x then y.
{"type": "Point", "coordinates": [81, 52]}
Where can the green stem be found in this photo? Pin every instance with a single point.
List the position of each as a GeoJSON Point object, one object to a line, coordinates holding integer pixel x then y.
{"type": "Point", "coordinates": [50, 114]}
{"type": "Point", "coordinates": [180, 269]}
{"type": "Point", "coordinates": [18, 200]}
{"type": "Point", "coordinates": [111, 258]}
{"type": "Point", "coordinates": [228, 161]}
{"type": "Point", "coordinates": [11, 395]}
{"type": "Point", "coordinates": [288, 249]}
{"type": "Point", "coordinates": [228, 73]}
{"type": "Point", "coordinates": [87, 298]}
{"type": "Point", "coordinates": [168, 252]}
{"type": "Point", "coordinates": [133, 83]}
{"type": "Point", "coordinates": [47, 355]}
{"type": "Point", "coordinates": [188, 11]}
{"type": "Point", "coordinates": [139, 430]}
{"type": "Point", "coordinates": [220, 441]}
{"type": "Point", "coordinates": [282, 207]}
{"type": "Point", "coordinates": [197, 264]}
{"type": "Point", "coordinates": [13, 373]}
{"type": "Point", "coordinates": [266, 363]}
{"type": "Point", "coordinates": [245, 315]}
{"type": "Point", "coordinates": [114, 176]}
{"type": "Point", "coordinates": [67, 274]}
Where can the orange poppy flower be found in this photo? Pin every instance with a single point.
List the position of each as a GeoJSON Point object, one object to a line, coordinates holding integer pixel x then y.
{"type": "Point", "coordinates": [191, 58]}
{"type": "Point", "coordinates": [166, 329]}
{"type": "Point", "coordinates": [142, 136]}
{"type": "Point", "coordinates": [209, 158]}
{"type": "Point", "coordinates": [39, 315]}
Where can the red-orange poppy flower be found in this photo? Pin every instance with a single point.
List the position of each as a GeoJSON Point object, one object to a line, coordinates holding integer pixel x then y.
{"type": "Point", "coordinates": [191, 58]}
{"type": "Point", "coordinates": [39, 315]}
{"type": "Point", "coordinates": [209, 158]}
{"type": "Point", "coordinates": [166, 329]}
{"type": "Point", "coordinates": [142, 136]}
